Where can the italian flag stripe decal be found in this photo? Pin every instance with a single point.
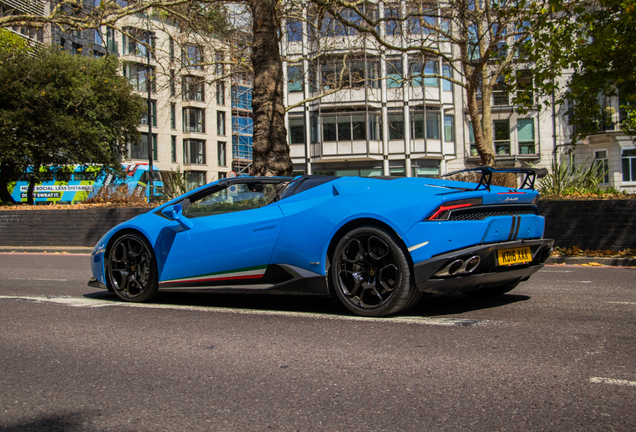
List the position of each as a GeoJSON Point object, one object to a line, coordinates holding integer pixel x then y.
{"type": "Point", "coordinates": [255, 272]}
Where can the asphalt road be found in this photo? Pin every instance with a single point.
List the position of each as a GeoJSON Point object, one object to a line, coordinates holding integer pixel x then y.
{"type": "Point", "coordinates": [558, 353]}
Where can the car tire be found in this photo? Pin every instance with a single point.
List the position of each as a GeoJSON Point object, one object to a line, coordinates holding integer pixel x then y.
{"type": "Point", "coordinates": [495, 291]}
{"type": "Point", "coordinates": [370, 273]}
{"type": "Point", "coordinates": [131, 268]}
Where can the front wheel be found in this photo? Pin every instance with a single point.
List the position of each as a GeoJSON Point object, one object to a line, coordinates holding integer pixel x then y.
{"type": "Point", "coordinates": [131, 268]}
{"type": "Point", "coordinates": [371, 274]}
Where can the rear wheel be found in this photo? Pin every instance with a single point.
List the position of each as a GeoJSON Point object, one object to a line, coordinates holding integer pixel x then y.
{"type": "Point", "coordinates": [371, 275]}
{"type": "Point", "coordinates": [492, 291]}
{"type": "Point", "coordinates": [131, 269]}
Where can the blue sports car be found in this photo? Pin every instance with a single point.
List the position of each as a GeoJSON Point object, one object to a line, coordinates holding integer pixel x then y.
{"type": "Point", "coordinates": [377, 244]}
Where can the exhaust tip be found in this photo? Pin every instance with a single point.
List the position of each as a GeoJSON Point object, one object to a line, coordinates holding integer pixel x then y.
{"type": "Point", "coordinates": [455, 267]}
{"type": "Point", "coordinates": [471, 264]}
{"type": "Point", "coordinates": [450, 269]}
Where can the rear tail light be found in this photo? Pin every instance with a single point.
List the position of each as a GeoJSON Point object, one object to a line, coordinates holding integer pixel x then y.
{"type": "Point", "coordinates": [444, 211]}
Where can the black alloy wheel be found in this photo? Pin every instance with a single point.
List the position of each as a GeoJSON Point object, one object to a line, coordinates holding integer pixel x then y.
{"type": "Point", "coordinates": [371, 275]}
{"type": "Point", "coordinates": [131, 269]}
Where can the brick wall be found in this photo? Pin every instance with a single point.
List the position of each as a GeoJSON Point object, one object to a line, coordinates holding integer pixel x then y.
{"type": "Point", "coordinates": [81, 227]}
{"type": "Point", "coordinates": [591, 224]}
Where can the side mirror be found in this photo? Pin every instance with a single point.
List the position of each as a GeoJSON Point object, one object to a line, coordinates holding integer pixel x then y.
{"type": "Point", "coordinates": [175, 213]}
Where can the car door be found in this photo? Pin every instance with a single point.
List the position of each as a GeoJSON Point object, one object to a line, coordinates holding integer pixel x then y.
{"type": "Point", "coordinates": [232, 238]}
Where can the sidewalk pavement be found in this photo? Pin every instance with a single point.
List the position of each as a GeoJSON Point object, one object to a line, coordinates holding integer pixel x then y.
{"type": "Point", "coordinates": [584, 261]}
{"type": "Point", "coordinates": [47, 249]}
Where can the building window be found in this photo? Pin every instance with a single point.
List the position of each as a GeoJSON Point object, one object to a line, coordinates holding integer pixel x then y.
{"type": "Point", "coordinates": [139, 150]}
{"type": "Point", "coordinates": [600, 160]}
{"type": "Point", "coordinates": [394, 73]}
{"type": "Point", "coordinates": [392, 17]}
{"type": "Point", "coordinates": [525, 94]}
{"type": "Point", "coordinates": [173, 149]}
{"type": "Point", "coordinates": [76, 49]}
{"type": "Point", "coordinates": [138, 42]}
{"type": "Point", "coordinates": [295, 79]}
{"type": "Point", "coordinates": [144, 117]}
{"type": "Point", "coordinates": [193, 120]}
{"type": "Point", "coordinates": [220, 123]}
{"type": "Point", "coordinates": [194, 151]}
{"type": "Point", "coordinates": [329, 128]}
{"type": "Point", "coordinates": [449, 128]}
{"type": "Point", "coordinates": [431, 67]}
{"type": "Point", "coordinates": [629, 165]}
{"type": "Point", "coordinates": [432, 125]}
{"type": "Point", "coordinates": [137, 74]}
{"type": "Point", "coordinates": [374, 73]}
{"type": "Point", "coordinates": [192, 56]}
{"type": "Point", "coordinates": [219, 59]}
{"type": "Point", "coordinates": [500, 93]}
{"type": "Point", "coordinates": [171, 48]}
{"type": "Point", "coordinates": [195, 179]}
{"type": "Point", "coordinates": [471, 140]}
{"type": "Point", "coordinates": [525, 136]}
{"type": "Point", "coordinates": [501, 135]}
{"type": "Point", "coordinates": [358, 129]}
{"type": "Point", "coordinates": [415, 72]}
{"type": "Point", "coordinates": [447, 71]}
{"type": "Point", "coordinates": [294, 31]}
{"type": "Point", "coordinates": [222, 175]}
{"type": "Point", "coordinates": [425, 168]}
{"type": "Point", "coordinates": [221, 154]}
{"type": "Point", "coordinates": [220, 93]}
{"type": "Point", "coordinates": [173, 116]}
{"type": "Point", "coordinates": [297, 130]}
{"type": "Point", "coordinates": [396, 126]}
{"type": "Point", "coordinates": [192, 89]}
{"type": "Point", "coordinates": [172, 83]}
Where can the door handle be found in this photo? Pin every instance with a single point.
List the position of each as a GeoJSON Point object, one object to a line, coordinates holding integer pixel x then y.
{"type": "Point", "coordinates": [264, 226]}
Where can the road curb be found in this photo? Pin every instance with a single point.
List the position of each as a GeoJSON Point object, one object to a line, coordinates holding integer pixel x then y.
{"type": "Point", "coordinates": [610, 262]}
{"type": "Point", "coordinates": [47, 249]}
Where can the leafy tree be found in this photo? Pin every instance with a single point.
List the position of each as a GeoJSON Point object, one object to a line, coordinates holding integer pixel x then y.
{"type": "Point", "coordinates": [604, 65]}
{"type": "Point", "coordinates": [486, 44]}
{"type": "Point", "coordinates": [57, 109]}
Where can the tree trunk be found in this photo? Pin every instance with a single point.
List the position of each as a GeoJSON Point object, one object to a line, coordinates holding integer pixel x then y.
{"type": "Point", "coordinates": [270, 151]}
{"type": "Point", "coordinates": [7, 173]}
{"type": "Point", "coordinates": [32, 182]}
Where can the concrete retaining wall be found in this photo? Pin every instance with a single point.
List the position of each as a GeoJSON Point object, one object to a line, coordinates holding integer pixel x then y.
{"type": "Point", "coordinates": [80, 227]}
{"type": "Point", "coordinates": [590, 224]}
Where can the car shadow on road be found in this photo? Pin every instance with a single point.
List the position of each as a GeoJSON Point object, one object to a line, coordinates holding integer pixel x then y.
{"type": "Point", "coordinates": [302, 303]}
{"type": "Point", "coordinates": [458, 304]}
{"type": "Point", "coordinates": [69, 421]}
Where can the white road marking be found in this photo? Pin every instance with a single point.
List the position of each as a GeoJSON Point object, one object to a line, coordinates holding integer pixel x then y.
{"type": "Point", "coordinates": [87, 302]}
{"type": "Point", "coordinates": [617, 302]}
{"type": "Point", "coordinates": [613, 381]}
{"type": "Point", "coordinates": [40, 279]}
{"type": "Point", "coordinates": [586, 281]}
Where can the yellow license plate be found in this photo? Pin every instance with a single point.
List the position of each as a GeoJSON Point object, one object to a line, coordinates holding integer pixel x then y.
{"type": "Point", "coordinates": [514, 256]}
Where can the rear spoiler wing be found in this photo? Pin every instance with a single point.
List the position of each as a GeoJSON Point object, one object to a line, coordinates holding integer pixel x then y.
{"type": "Point", "coordinates": [486, 175]}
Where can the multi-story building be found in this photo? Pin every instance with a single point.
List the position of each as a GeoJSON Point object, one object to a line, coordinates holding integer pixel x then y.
{"type": "Point", "coordinates": [29, 7]}
{"type": "Point", "coordinates": [191, 115]}
{"type": "Point", "coordinates": [242, 123]}
{"type": "Point", "coordinates": [386, 121]}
